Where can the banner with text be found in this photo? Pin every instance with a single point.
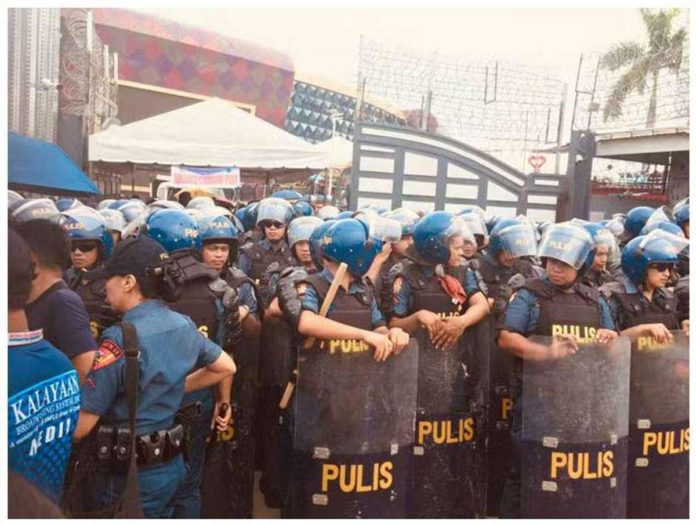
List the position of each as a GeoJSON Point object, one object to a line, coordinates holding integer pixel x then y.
{"type": "Point", "coordinates": [206, 176]}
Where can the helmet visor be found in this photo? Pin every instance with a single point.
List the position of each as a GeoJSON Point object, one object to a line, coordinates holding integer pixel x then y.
{"type": "Point", "coordinates": [661, 214]}
{"type": "Point", "coordinates": [518, 240]}
{"type": "Point", "coordinates": [384, 229]}
{"type": "Point", "coordinates": [568, 243]}
{"type": "Point", "coordinates": [302, 228]}
{"type": "Point", "coordinates": [677, 242]}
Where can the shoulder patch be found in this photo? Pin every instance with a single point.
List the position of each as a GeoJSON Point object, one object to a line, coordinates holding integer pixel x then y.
{"type": "Point", "coordinates": [107, 353]}
{"type": "Point", "coordinates": [301, 289]}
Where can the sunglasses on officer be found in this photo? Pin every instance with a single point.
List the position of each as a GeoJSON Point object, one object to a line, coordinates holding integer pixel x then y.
{"type": "Point", "coordinates": [84, 247]}
{"type": "Point", "coordinates": [272, 224]}
{"type": "Point", "coordinates": [661, 268]}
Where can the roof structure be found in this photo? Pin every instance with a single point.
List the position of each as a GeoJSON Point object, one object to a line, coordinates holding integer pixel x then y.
{"type": "Point", "coordinates": [210, 133]}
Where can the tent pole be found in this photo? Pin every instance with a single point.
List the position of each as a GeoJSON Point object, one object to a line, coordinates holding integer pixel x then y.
{"type": "Point", "coordinates": [132, 179]}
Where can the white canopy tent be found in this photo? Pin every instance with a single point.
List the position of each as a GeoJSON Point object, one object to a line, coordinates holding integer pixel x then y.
{"type": "Point", "coordinates": [340, 151]}
{"type": "Point", "coordinates": [209, 133]}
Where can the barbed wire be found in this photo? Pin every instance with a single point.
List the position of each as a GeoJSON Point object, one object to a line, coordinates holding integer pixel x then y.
{"type": "Point", "coordinates": [671, 108]}
{"type": "Point", "coordinates": [488, 103]}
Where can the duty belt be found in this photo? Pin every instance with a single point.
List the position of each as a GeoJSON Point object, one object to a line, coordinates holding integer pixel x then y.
{"type": "Point", "coordinates": [153, 448]}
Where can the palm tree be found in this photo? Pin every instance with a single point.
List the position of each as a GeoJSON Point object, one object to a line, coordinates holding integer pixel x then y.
{"type": "Point", "coordinates": [664, 51]}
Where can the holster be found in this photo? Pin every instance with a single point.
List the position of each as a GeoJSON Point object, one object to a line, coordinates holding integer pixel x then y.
{"type": "Point", "coordinates": [186, 416]}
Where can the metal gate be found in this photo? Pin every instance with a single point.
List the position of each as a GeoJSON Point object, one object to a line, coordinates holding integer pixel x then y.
{"type": "Point", "coordinates": [402, 167]}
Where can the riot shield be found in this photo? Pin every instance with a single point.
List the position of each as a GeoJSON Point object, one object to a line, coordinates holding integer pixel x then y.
{"type": "Point", "coordinates": [277, 363]}
{"type": "Point", "coordinates": [574, 440]}
{"type": "Point", "coordinates": [658, 456]}
{"type": "Point", "coordinates": [449, 473]}
{"type": "Point", "coordinates": [499, 450]}
{"type": "Point", "coordinates": [227, 488]}
{"type": "Point", "coordinates": [353, 433]}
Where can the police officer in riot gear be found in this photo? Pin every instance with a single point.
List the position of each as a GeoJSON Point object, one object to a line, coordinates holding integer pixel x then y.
{"type": "Point", "coordinates": [219, 244]}
{"type": "Point", "coordinates": [273, 217]}
{"type": "Point", "coordinates": [681, 216]}
{"type": "Point", "coordinates": [646, 307]}
{"type": "Point", "coordinates": [90, 245]}
{"type": "Point", "coordinates": [173, 358]}
{"type": "Point", "coordinates": [353, 327]}
{"type": "Point", "coordinates": [431, 303]}
{"type": "Point", "coordinates": [200, 299]}
{"type": "Point", "coordinates": [499, 270]}
{"type": "Point", "coordinates": [278, 361]}
{"type": "Point", "coordinates": [556, 305]}
{"type": "Point", "coordinates": [606, 249]}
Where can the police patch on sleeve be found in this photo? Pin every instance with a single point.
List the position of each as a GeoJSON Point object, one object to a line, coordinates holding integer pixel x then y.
{"type": "Point", "coordinates": [107, 353]}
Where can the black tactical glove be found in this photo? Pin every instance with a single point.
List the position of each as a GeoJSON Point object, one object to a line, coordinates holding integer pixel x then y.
{"type": "Point", "coordinates": [288, 298]}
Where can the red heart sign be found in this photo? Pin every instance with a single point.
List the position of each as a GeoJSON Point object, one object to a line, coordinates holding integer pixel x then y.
{"type": "Point", "coordinates": [536, 162]}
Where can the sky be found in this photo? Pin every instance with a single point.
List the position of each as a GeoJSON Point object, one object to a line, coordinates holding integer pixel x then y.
{"type": "Point", "coordinates": [324, 42]}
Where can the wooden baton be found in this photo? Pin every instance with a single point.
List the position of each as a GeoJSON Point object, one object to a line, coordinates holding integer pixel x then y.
{"type": "Point", "coordinates": [323, 311]}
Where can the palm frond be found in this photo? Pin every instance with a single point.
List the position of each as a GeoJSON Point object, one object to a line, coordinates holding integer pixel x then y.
{"type": "Point", "coordinates": [632, 80]}
{"type": "Point", "coordinates": [621, 55]}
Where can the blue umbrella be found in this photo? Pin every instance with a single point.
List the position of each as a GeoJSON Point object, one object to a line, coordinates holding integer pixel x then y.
{"type": "Point", "coordinates": [42, 167]}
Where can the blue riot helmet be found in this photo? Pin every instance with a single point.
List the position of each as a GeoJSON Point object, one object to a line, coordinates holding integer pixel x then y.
{"type": "Point", "coordinates": [13, 197]}
{"type": "Point", "coordinates": [681, 214]}
{"type": "Point", "coordinates": [303, 209]}
{"type": "Point", "coordinates": [113, 219]}
{"type": "Point", "coordinates": [316, 243]}
{"type": "Point", "coordinates": [636, 219]}
{"type": "Point", "coordinates": [85, 227]}
{"type": "Point", "coordinates": [657, 247]}
{"type": "Point", "coordinates": [344, 214]}
{"type": "Point", "coordinates": [301, 229]}
{"type": "Point", "coordinates": [602, 237]}
{"type": "Point", "coordinates": [200, 202]}
{"type": "Point", "coordinates": [406, 217]}
{"type": "Point", "coordinates": [132, 210]}
{"type": "Point", "coordinates": [570, 243]}
{"type": "Point", "coordinates": [433, 233]}
{"type": "Point", "coordinates": [196, 214]}
{"type": "Point", "coordinates": [33, 209]}
{"type": "Point", "coordinates": [348, 241]}
{"type": "Point", "coordinates": [174, 229]}
{"type": "Point", "coordinates": [104, 204]}
{"type": "Point", "coordinates": [219, 229]}
{"type": "Point", "coordinates": [216, 211]}
{"type": "Point", "coordinates": [117, 203]}
{"type": "Point", "coordinates": [247, 215]}
{"type": "Point", "coordinates": [63, 204]}
{"type": "Point", "coordinates": [491, 222]}
{"type": "Point", "coordinates": [274, 209]}
{"type": "Point", "coordinates": [287, 194]}
{"type": "Point", "coordinates": [328, 212]}
{"type": "Point", "coordinates": [616, 226]}
{"type": "Point", "coordinates": [670, 227]}
{"type": "Point", "coordinates": [165, 204]}
{"type": "Point", "coordinates": [514, 237]}
{"type": "Point", "coordinates": [477, 226]}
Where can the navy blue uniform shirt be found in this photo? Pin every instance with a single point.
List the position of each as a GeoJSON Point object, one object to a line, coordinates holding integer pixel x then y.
{"type": "Point", "coordinates": [170, 348]}
{"type": "Point", "coordinates": [61, 314]}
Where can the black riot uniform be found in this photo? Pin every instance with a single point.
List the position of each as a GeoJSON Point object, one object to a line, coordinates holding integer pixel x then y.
{"type": "Point", "coordinates": [260, 255]}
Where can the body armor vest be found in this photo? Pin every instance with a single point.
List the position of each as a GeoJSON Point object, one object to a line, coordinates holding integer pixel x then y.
{"type": "Point", "coordinates": [197, 300]}
{"type": "Point", "coordinates": [636, 310]}
{"type": "Point", "coordinates": [427, 292]}
{"type": "Point", "coordinates": [574, 314]}
{"type": "Point", "coordinates": [93, 294]}
{"type": "Point", "coordinates": [351, 309]}
{"type": "Point", "coordinates": [261, 258]}
{"type": "Point", "coordinates": [496, 279]}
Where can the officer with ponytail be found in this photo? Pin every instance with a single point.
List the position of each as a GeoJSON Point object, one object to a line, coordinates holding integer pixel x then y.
{"type": "Point", "coordinates": [214, 309]}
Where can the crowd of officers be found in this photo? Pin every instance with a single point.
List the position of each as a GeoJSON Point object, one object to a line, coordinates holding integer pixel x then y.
{"type": "Point", "coordinates": [223, 299]}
